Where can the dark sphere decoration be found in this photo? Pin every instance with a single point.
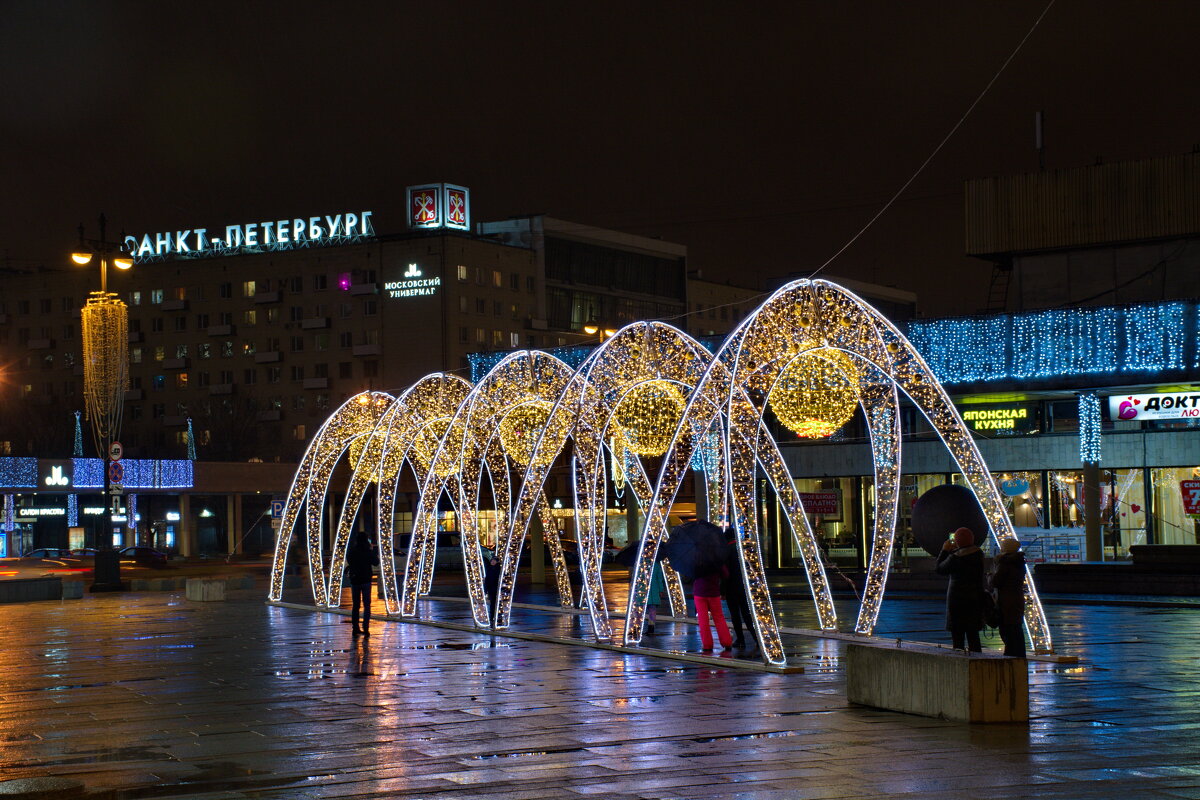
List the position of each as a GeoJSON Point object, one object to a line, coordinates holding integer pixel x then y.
{"type": "Point", "coordinates": [943, 510]}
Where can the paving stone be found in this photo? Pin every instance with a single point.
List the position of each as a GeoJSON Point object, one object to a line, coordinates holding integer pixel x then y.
{"type": "Point", "coordinates": [147, 695]}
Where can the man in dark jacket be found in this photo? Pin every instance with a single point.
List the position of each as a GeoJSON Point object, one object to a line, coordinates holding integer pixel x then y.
{"type": "Point", "coordinates": [963, 562]}
{"type": "Point", "coordinates": [1009, 582]}
{"type": "Point", "coordinates": [735, 593]}
{"type": "Point", "coordinates": [360, 558]}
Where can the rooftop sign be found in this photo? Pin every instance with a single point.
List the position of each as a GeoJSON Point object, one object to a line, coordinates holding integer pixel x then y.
{"type": "Point", "coordinates": [273, 234]}
{"type": "Point", "coordinates": [439, 205]}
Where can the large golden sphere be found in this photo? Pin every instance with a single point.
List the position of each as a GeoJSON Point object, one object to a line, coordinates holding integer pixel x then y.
{"type": "Point", "coordinates": [425, 446]}
{"type": "Point", "coordinates": [816, 393]}
{"type": "Point", "coordinates": [373, 445]}
{"type": "Point", "coordinates": [521, 428]}
{"type": "Point", "coordinates": [648, 416]}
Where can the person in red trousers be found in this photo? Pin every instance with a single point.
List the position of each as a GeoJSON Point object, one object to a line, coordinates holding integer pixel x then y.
{"type": "Point", "coordinates": [706, 592]}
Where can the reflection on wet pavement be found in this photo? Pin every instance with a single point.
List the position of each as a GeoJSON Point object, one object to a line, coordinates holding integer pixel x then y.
{"type": "Point", "coordinates": [145, 695]}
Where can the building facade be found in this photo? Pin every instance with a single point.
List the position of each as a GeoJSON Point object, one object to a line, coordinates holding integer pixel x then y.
{"type": "Point", "coordinates": [1092, 361]}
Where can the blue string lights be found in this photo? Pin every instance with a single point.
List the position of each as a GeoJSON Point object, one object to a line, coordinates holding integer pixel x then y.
{"type": "Point", "coordinates": [140, 473]}
{"type": "Point", "coordinates": [18, 473]}
{"type": "Point", "coordinates": [1153, 337]}
{"type": "Point", "coordinates": [1089, 428]}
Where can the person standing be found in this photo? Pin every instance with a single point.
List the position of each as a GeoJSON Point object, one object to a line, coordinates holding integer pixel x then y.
{"type": "Point", "coordinates": [706, 594]}
{"type": "Point", "coordinates": [735, 593]}
{"type": "Point", "coordinates": [1009, 583]}
{"type": "Point", "coordinates": [658, 585]}
{"type": "Point", "coordinates": [360, 559]}
{"type": "Point", "coordinates": [491, 581]}
{"type": "Point", "coordinates": [963, 562]}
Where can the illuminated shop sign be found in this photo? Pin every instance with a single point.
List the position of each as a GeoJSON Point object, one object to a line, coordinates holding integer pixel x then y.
{"type": "Point", "coordinates": [1011, 418]}
{"type": "Point", "coordinates": [1174, 405]}
{"type": "Point", "coordinates": [57, 475]}
{"type": "Point", "coordinates": [41, 512]}
{"type": "Point", "coordinates": [272, 234]}
{"type": "Point", "coordinates": [439, 205]}
{"type": "Point", "coordinates": [413, 284]}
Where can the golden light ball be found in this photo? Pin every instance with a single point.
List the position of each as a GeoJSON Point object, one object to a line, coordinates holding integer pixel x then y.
{"type": "Point", "coordinates": [816, 393]}
{"type": "Point", "coordinates": [522, 427]}
{"type": "Point", "coordinates": [648, 416]}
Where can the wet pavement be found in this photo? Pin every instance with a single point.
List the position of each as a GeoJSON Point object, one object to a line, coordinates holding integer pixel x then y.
{"type": "Point", "coordinates": [148, 695]}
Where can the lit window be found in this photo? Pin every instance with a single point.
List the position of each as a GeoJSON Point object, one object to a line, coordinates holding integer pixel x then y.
{"type": "Point", "coordinates": [497, 278]}
{"type": "Point", "coordinates": [156, 296]}
{"type": "Point", "coordinates": [462, 273]}
{"type": "Point", "coordinates": [181, 380]}
{"type": "Point", "coordinates": [248, 288]}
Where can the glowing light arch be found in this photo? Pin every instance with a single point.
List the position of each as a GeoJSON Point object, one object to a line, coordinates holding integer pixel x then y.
{"type": "Point", "coordinates": [720, 432]}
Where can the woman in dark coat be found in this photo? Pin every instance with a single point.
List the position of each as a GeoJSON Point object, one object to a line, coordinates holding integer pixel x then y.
{"type": "Point", "coordinates": [963, 562]}
{"type": "Point", "coordinates": [360, 557]}
{"type": "Point", "coordinates": [1009, 582]}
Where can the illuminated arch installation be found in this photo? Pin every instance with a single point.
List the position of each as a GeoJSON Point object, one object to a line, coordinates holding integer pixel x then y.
{"type": "Point", "coordinates": [644, 409]}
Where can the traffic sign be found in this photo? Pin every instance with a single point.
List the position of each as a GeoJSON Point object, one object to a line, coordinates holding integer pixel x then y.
{"type": "Point", "coordinates": [116, 472]}
{"type": "Point", "coordinates": [115, 490]}
{"type": "Point", "coordinates": [115, 451]}
{"type": "Point", "coordinates": [276, 509]}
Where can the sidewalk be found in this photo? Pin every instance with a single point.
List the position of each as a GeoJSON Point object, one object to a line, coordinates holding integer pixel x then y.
{"type": "Point", "coordinates": [147, 695]}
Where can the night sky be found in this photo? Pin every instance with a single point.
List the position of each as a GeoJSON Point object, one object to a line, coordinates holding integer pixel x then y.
{"type": "Point", "coordinates": [762, 139]}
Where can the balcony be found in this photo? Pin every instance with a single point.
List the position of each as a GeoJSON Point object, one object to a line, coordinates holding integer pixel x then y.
{"type": "Point", "coordinates": [174, 305]}
{"type": "Point", "coordinates": [268, 357]}
{"type": "Point", "coordinates": [316, 383]}
{"type": "Point", "coordinates": [221, 388]}
{"type": "Point", "coordinates": [268, 297]}
{"type": "Point", "coordinates": [364, 288]}
{"type": "Point", "coordinates": [41, 344]}
{"type": "Point", "coordinates": [175, 363]}
{"type": "Point", "coordinates": [221, 330]}
{"type": "Point", "coordinates": [315, 322]}
{"type": "Point", "coordinates": [366, 350]}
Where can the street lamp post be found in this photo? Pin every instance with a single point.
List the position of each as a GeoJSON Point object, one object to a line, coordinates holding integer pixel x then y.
{"type": "Point", "coordinates": [105, 328]}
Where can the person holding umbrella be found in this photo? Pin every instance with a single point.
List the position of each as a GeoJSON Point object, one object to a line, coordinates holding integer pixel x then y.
{"type": "Point", "coordinates": [735, 592]}
{"type": "Point", "coordinates": [697, 551]}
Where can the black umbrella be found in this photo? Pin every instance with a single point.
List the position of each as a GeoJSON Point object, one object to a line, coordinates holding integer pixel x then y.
{"type": "Point", "coordinates": [628, 555]}
{"type": "Point", "coordinates": [696, 549]}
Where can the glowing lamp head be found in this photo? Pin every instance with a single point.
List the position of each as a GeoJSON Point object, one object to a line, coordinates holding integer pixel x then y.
{"type": "Point", "coordinates": [591, 327]}
{"type": "Point", "coordinates": [648, 416]}
{"type": "Point", "coordinates": [816, 393]}
{"type": "Point", "coordinates": [122, 262]}
{"type": "Point", "coordinates": [81, 258]}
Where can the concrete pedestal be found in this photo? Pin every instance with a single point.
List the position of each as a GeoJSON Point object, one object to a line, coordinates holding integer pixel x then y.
{"type": "Point", "coordinates": [205, 589]}
{"type": "Point", "coordinates": [23, 590]}
{"type": "Point", "coordinates": [938, 682]}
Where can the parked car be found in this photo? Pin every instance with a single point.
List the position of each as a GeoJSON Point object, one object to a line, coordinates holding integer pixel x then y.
{"type": "Point", "coordinates": [47, 552]}
{"type": "Point", "coordinates": [143, 557]}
